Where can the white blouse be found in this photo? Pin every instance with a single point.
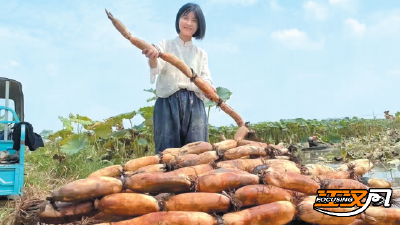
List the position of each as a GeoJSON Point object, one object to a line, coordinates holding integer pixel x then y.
{"type": "Point", "coordinates": [169, 78]}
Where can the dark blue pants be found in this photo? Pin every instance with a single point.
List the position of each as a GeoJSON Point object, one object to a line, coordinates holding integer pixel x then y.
{"type": "Point", "coordinates": [178, 120]}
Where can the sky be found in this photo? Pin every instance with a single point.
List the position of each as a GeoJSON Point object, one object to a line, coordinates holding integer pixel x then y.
{"type": "Point", "coordinates": [281, 59]}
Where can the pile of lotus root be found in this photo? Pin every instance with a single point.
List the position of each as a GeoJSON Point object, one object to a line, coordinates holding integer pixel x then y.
{"type": "Point", "coordinates": [232, 182]}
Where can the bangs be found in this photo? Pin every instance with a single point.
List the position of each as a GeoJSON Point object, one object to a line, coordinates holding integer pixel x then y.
{"type": "Point", "coordinates": [191, 9]}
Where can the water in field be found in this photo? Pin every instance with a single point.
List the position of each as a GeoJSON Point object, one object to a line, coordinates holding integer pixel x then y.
{"type": "Point", "coordinates": [389, 171]}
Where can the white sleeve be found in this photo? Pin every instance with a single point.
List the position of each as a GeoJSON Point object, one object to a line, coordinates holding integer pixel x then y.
{"type": "Point", "coordinates": [160, 64]}
{"type": "Point", "coordinates": [205, 72]}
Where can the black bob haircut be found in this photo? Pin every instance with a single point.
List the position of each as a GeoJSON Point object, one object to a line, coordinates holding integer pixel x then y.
{"type": "Point", "coordinates": [201, 22]}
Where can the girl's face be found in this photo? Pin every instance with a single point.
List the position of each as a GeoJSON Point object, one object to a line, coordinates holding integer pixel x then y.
{"type": "Point", "coordinates": [188, 24]}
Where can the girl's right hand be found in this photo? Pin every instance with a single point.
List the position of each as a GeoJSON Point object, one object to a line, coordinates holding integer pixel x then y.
{"type": "Point", "coordinates": [152, 54]}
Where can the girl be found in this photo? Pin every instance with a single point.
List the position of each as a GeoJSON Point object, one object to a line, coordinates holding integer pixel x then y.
{"type": "Point", "coordinates": [179, 115]}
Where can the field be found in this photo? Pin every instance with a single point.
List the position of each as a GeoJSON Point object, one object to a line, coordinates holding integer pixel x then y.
{"type": "Point", "coordinates": [72, 154]}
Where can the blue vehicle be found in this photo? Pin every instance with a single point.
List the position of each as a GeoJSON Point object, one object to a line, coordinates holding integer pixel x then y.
{"type": "Point", "coordinates": [11, 172]}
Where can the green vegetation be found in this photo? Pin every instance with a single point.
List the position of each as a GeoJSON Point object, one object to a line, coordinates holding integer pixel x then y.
{"type": "Point", "coordinates": [298, 130]}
